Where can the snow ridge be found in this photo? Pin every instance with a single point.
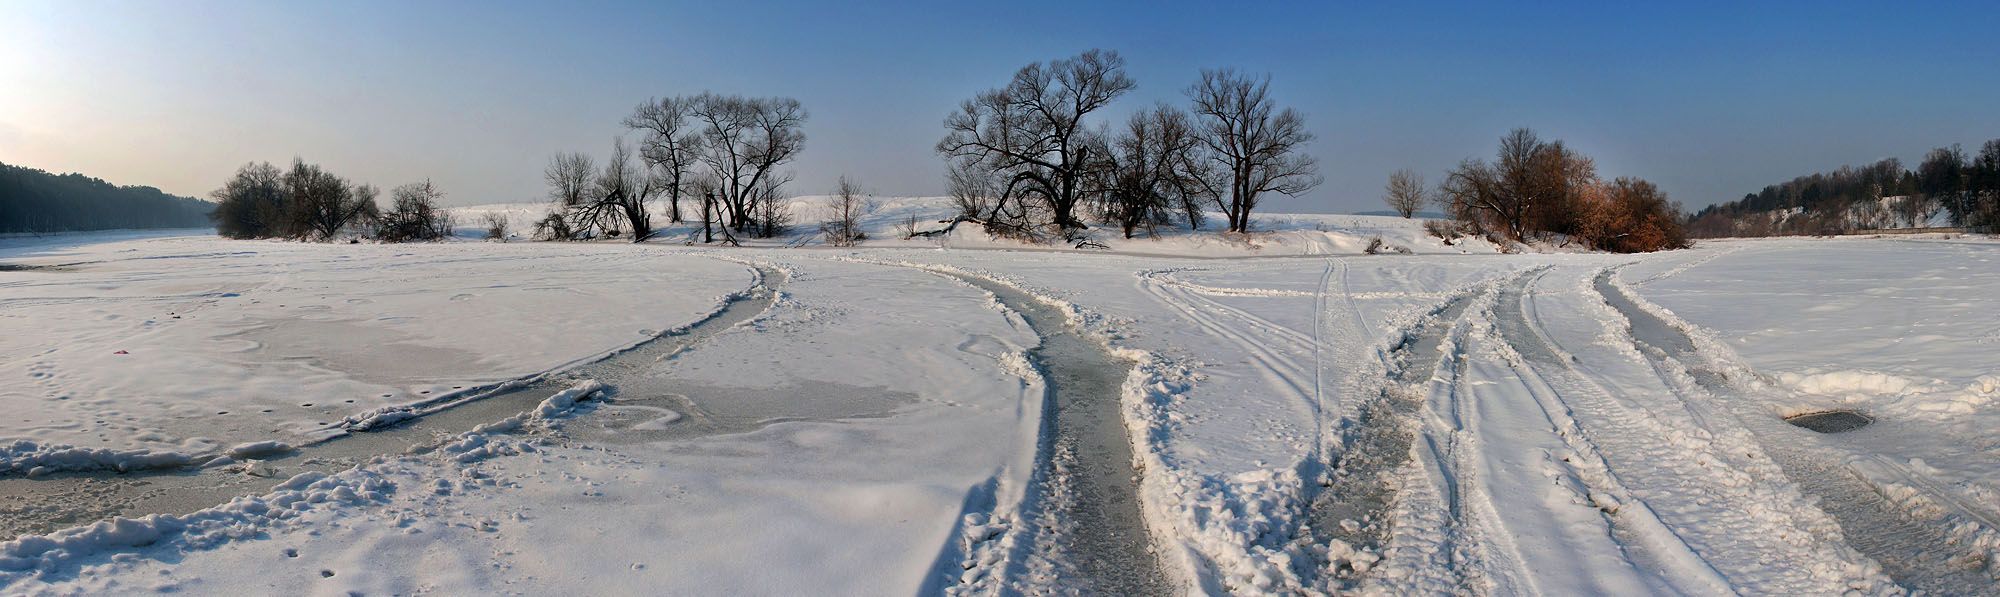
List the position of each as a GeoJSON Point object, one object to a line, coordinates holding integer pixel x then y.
{"type": "Point", "coordinates": [35, 459]}
{"type": "Point", "coordinates": [61, 555]}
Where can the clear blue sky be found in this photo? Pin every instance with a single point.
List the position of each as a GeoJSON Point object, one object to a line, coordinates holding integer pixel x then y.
{"type": "Point", "coordinates": [1710, 100]}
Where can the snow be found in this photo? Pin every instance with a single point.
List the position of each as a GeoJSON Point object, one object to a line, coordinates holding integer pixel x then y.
{"type": "Point", "coordinates": [1899, 331]}
{"type": "Point", "coordinates": [857, 491]}
{"type": "Point", "coordinates": [56, 556]}
{"type": "Point", "coordinates": [880, 430]}
{"type": "Point", "coordinates": [187, 345]}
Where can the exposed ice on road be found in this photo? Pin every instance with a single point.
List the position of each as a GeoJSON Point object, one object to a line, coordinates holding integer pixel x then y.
{"type": "Point", "coordinates": [1095, 531]}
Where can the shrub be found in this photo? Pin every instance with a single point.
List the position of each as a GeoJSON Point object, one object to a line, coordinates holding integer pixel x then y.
{"type": "Point", "coordinates": [496, 226]}
{"type": "Point", "coordinates": [554, 227]}
{"type": "Point", "coordinates": [1376, 246]}
{"type": "Point", "coordinates": [1445, 230]}
{"type": "Point", "coordinates": [415, 216]}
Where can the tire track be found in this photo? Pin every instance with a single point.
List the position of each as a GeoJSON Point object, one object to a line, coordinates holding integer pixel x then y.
{"type": "Point", "coordinates": [1691, 501]}
{"type": "Point", "coordinates": [1279, 371]}
{"type": "Point", "coordinates": [1348, 517]}
{"type": "Point", "coordinates": [1925, 539]}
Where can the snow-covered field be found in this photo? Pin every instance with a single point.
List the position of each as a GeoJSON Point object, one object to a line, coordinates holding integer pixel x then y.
{"type": "Point", "coordinates": [1302, 418]}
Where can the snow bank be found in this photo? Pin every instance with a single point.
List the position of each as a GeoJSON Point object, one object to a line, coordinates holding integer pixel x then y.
{"type": "Point", "coordinates": [52, 557]}
{"type": "Point", "coordinates": [31, 458]}
{"type": "Point", "coordinates": [58, 555]}
{"type": "Point", "coordinates": [1834, 383]}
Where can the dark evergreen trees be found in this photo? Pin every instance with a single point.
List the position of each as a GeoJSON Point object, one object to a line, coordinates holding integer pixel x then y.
{"type": "Point", "coordinates": [32, 200]}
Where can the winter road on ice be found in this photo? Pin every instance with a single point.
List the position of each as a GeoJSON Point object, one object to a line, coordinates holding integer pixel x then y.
{"type": "Point", "coordinates": [201, 415]}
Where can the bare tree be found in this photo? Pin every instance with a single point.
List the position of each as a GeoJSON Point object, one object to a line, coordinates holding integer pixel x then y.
{"type": "Point", "coordinates": [771, 209]}
{"type": "Point", "coordinates": [321, 204]}
{"type": "Point", "coordinates": [1511, 189]}
{"type": "Point", "coordinates": [708, 188]}
{"type": "Point", "coordinates": [672, 145]}
{"type": "Point", "coordinates": [414, 215]}
{"type": "Point", "coordinates": [972, 187]}
{"type": "Point", "coordinates": [590, 201]}
{"type": "Point", "coordinates": [1128, 188]}
{"type": "Point", "coordinates": [496, 226]}
{"type": "Point", "coordinates": [1189, 172]}
{"type": "Point", "coordinates": [1034, 132]}
{"type": "Point", "coordinates": [253, 203]}
{"type": "Point", "coordinates": [1406, 193]}
{"type": "Point", "coordinates": [367, 211]}
{"type": "Point", "coordinates": [622, 190]}
{"type": "Point", "coordinates": [568, 176]}
{"type": "Point", "coordinates": [1533, 186]}
{"type": "Point", "coordinates": [744, 141]}
{"type": "Point", "coordinates": [1154, 172]}
{"type": "Point", "coordinates": [1543, 189]}
{"type": "Point", "coordinates": [848, 205]}
{"type": "Point", "coordinates": [1258, 146]}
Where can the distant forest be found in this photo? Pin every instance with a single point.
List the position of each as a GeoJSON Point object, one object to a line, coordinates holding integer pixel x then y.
{"type": "Point", "coordinates": [36, 201]}
{"type": "Point", "coordinates": [1963, 188]}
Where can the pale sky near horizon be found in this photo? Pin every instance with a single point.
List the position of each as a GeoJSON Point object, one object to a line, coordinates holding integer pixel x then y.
{"type": "Point", "coordinates": [1711, 101]}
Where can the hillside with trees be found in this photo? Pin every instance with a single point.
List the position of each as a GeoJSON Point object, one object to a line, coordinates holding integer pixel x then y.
{"type": "Point", "coordinates": [36, 201]}
{"type": "Point", "coordinates": [1962, 189]}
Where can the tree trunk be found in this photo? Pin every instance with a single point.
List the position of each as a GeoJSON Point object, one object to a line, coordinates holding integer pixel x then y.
{"type": "Point", "coordinates": [707, 229]}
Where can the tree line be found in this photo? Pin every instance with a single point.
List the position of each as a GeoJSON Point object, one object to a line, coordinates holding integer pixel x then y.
{"type": "Point", "coordinates": [1965, 188]}
{"type": "Point", "coordinates": [33, 200]}
{"type": "Point", "coordinates": [1543, 191]}
{"type": "Point", "coordinates": [1027, 159]}
{"type": "Point", "coordinates": [1031, 159]}
{"type": "Point", "coordinates": [306, 202]}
